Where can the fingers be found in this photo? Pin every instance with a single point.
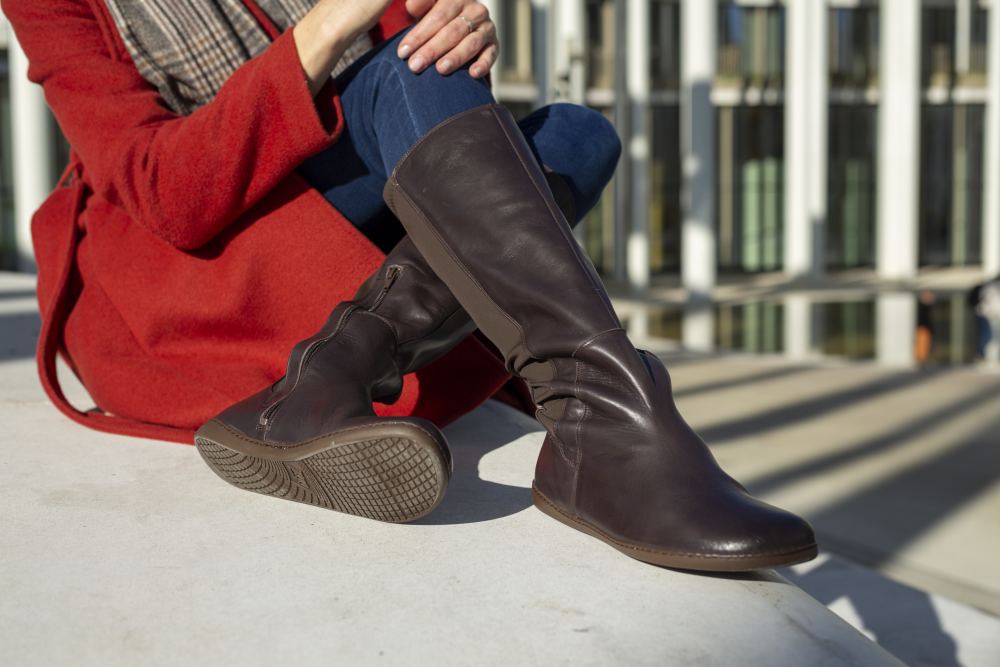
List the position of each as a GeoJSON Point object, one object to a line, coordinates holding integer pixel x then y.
{"type": "Point", "coordinates": [482, 66]}
{"type": "Point", "coordinates": [475, 43]}
{"type": "Point", "coordinates": [452, 45]}
{"type": "Point", "coordinates": [427, 27]}
{"type": "Point", "coordinates": [418, 8]}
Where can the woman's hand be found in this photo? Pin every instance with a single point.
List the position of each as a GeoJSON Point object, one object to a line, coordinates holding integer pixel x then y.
{"type": "Point", "coordinates": [325, 32]}
{"type": "Point", "coordinates": [442, 36]}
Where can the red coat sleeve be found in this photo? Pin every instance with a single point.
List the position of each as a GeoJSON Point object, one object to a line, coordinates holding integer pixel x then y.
{"type": "Point", "coordinates": [184, 177]}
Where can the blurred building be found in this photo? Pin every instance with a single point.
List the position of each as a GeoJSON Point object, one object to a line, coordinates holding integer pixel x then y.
{"type": "Point", "coordinates": [817, 135]}
{"type": "Point", "coordinates": [803, 138]}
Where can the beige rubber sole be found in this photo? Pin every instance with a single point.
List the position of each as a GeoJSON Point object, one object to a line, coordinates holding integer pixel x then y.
{"type": "Point", "coordinates": [701, 562]}
{"type": "Point", "coordinates": [393, 472]}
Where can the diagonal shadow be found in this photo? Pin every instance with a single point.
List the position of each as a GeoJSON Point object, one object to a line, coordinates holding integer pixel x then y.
{"type": "Point", "coordinates": [724, 384]}
{"type": "Point", "coordinates": [894, 512]}
{"type": "Point", "coordinates": [885, 442]}
{"type": "Point", "coordinates": [10, 295]}
{"type": "Point", "coordinates": [19, 335]}
{"type": "Point", "coordinates": [882, 606]}
{"type": "Point", "coordinates": [471, 499]}
{"type": "Point", "coordinates": [792, 413]}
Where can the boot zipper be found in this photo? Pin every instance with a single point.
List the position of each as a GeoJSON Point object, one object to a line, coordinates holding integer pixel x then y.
{"type": "Point", "coordinates": [390, 278]}
{"type": "Point", "coordinates": [263, 423]}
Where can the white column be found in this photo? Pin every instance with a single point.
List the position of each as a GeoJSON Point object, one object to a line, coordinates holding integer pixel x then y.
{"type": "Point", "coordinates": [799, 327]}
{"type": "Point", "coordinates": [32, 154]}
{"type": "Point", "coordinates": [991, 193]}
{"type": "Point", "coordinates": [895, 328]}
{"type": "Point", "coordinates": [899, 140]}
{"type": "Point", "coordinates": [637, 85]}
{"type": "Point", "coordinates": [541, 48]}
{"type": "Point", "coordinates": [806, 83]}
{"type": "Point", "coordinates": [568, 56]}
{"type": "Point", "coordinates": [698, 35]}
{"type": "Point", "coordinates": [494, 8]}
{"type": "Point", "coordinates": [698, 325]}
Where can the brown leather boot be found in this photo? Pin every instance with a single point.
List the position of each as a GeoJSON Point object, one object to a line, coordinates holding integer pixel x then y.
{"type": "Point", "coordinates": [313, 436]}
{"type": "Point", "coordinates": [618, 461]}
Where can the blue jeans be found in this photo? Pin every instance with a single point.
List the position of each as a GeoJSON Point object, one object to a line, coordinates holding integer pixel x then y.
{"type": "Point", "coordinates": [984, 331]}
{"type": "Point", "coordinates": [387, 108]}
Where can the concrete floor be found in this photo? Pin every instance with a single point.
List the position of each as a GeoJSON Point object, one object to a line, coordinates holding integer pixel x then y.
{"type": "Point", "coordinates": [117, 551]}
{"type": "Point", "coordinates": [898, 470]}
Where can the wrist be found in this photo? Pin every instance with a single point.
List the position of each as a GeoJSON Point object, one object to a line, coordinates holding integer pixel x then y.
{"type": "Point", "coordinates": [320, 44]}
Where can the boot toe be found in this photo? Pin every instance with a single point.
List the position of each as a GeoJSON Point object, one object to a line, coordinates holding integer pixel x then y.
{"type": "Point", "coordinates": [758, 535]}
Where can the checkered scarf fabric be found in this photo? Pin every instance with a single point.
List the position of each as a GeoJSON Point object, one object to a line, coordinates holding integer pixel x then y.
{"type": "Point", "coordinates": [188, 48]}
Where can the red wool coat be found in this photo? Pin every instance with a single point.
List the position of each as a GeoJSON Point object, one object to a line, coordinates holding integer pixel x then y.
{"type": "Point", "coordinates": [181, 257]}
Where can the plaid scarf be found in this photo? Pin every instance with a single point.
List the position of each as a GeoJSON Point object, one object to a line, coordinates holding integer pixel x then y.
{"type": "Point", "coordinates": [188, 48]}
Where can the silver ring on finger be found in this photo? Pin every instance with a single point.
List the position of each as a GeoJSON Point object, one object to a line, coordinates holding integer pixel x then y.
{"type": "Point", "coordinates": [472, 26]}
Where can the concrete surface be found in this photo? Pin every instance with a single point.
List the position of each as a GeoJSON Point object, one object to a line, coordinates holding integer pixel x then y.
{"type": "Point", "coordinates": [899, 471]}
{"type": "Point", "coordinates": [122, 551]}
{"type": "Point", "coordinates": [919, 628]}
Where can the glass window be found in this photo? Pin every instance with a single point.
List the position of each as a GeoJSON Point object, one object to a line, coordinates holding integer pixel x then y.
{"type": "Point", "coordinates": [756, 326]}
{"type": "Point", "coordinates": [851, 187]}
{"type": "Point", "coordinates": [751, 49]}
{"type": "Point", "coordinates": [665, 38]}
{"type": "Point", "coordinates": [515, 58]}
{"type": "Point", "coordinates": [953, 334]}
{"type": "Point", "coordinates": [949, 59]}
{"type": "Point", "coordinates": [848, 329]}
{"type": "Point", "coordinates": [979, 44]}
{"type": "Point", "coordinates": [951, 186]}
{"type": "Point", "coordinates": [598, 226]}
{"type": "Point", "coordinates": [973, 73]}
{"type": "Point", "coordinates": [938, 46]}
{"type": "Point", "coordinates": [750, 180]}
{"type": "Point", "coordinates": [853, 47]}
{"type": "Point", "coordinates": [600, 43]}
{"type": "Point", "coordinates": [665, 187]}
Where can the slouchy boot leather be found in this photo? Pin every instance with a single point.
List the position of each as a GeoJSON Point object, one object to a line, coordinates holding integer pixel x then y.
{"type": "Point", "coordinates": [618, 461]}
{"type": "Point", "coordinates": [313, 436]}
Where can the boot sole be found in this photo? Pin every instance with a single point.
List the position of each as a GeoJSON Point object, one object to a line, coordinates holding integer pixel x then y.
{"type": "Point", "coordinates": [683, 561]}
{"type": "Point", "coordinates": [394, 472]}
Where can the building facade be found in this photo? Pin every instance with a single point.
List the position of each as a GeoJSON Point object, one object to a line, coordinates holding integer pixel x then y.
{"type": "Point", "coordinates": [797, 137]}
{"type": "Point", "coordinates": [801, 137]}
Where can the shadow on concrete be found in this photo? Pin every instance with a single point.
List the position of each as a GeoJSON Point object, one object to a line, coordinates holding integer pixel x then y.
{"type": "Point", "coordinates": [10, 295]}
{"type": "Point", "coordinates": [902, 620]}
{"type": "Point", "coordinates": [892, 440]}
{"type": "Point", "coordinates": [18, 335]}
{"type": "Point", "coordinates": [810, 408]}
{"type": "Point", "coordinates": [895, 511]}
{"type": "Point", "coordinates": [721, 385]}
{"type": "Point", "coordinates": [471, 499]}
{"type": "Point", "coordinates": [875, 524]}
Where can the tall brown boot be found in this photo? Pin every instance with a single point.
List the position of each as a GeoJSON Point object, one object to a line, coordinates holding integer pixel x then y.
{"type": "Point", "coordinates": [314, 437]}
{"type": "Point", "coordinates": [618, 461]}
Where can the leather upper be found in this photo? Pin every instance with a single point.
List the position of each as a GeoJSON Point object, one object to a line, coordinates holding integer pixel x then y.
{"type": "Point", "coordinates": [617, 454]}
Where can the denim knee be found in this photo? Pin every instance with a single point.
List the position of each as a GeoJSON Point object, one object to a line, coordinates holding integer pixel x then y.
{"type": "Point", "coordinates": [577, 142]}
{"type": "Point", "coordinates": [429, 76]}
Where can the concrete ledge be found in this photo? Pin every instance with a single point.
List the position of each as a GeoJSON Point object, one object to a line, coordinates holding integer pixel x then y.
{"type": "Point", "coordinates": [121, 551]}
{"type": "Point", "coordinates": [125, 551]}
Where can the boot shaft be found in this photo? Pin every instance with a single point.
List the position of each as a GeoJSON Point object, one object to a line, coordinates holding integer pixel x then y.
{"type": "Point", "coordinates": [487, 222]}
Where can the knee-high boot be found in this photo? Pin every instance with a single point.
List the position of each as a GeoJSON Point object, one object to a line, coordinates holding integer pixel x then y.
{"type": "Point", "coordinates": [314, 437]}
{"type": "Point", "coordinates": [618, 461]}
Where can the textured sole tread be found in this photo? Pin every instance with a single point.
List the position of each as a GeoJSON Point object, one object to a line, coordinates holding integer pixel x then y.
{"type": "Point", "coordinates": [392, 479]}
